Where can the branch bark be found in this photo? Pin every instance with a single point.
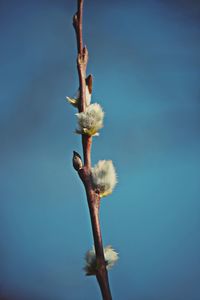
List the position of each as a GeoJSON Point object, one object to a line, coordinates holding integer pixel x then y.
{"type": "Point", "coordinates": [93, 198]}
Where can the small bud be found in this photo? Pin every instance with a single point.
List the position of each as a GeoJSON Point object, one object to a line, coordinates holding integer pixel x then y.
{"type": "Point", "coordinates": [77, 161]}
{"type": "Point", "coordinates": [74, 101]}
{"type": "Point", "coordinates": [88, 81]}
{"type": "Point", "coordinates": [75, 20]}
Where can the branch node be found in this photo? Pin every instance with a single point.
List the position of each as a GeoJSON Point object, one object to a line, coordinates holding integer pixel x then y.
{"type": "Point", "coordinates": [83, 57]}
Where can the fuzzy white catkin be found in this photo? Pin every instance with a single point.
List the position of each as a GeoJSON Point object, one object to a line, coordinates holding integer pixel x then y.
{"type": "Point", "coordinates": [91, 120]}
{"type": "Point", "coordinates": [104, 177]}
{"type": "Point", "coordinates": [111, 256]}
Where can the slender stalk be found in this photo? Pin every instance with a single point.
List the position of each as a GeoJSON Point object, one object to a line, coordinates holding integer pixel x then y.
{"type": "Point", "coordinates": [82, 58]}
{"type": "Point", "coordinates": [93, 198]}
{"type": "Point", "coordinates": [87, 144]}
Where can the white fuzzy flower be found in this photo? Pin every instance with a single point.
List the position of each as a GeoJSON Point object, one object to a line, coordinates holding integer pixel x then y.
{"type": "Point", "coordinates": [111, 256]}
{"type": "Point", "coordinates": [104, 177]}
{"type": "Point", "coordinates": [75, 101]}
{"type": "Point", "coordinates": [91, 120]}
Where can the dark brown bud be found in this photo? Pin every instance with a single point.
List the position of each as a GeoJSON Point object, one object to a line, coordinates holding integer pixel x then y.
{"type": "Point", "coordinates": [89, 83]}
{"type": "Point", "coordinates": [77, 161]}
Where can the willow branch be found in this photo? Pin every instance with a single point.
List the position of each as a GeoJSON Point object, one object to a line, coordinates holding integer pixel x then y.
{"type": "Point", "coordinates": [93, 197]}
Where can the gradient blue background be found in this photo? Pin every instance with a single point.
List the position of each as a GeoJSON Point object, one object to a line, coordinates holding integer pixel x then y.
{"type": "Point", "coordinates": [145, 57]}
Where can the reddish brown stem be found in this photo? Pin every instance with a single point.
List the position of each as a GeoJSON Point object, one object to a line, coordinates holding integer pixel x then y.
{"type": "Point", "coordinates": [87, 144]}
{"type": "Point", "coordinates": [82, 58]}
{"type": "Point", "coordinates": [77, 22]}
{"type": "Point", "coordinates": [101, 274]}
{"type": "Point", "coordinates": [93, 197]}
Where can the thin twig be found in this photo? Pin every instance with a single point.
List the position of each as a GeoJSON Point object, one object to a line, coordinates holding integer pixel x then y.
{"type": "Point", "coordinates": [93, 197]}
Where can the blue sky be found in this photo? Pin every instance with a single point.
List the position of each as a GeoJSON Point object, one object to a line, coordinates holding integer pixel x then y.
{"type": "Point", "coordinates": [145, 59]}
